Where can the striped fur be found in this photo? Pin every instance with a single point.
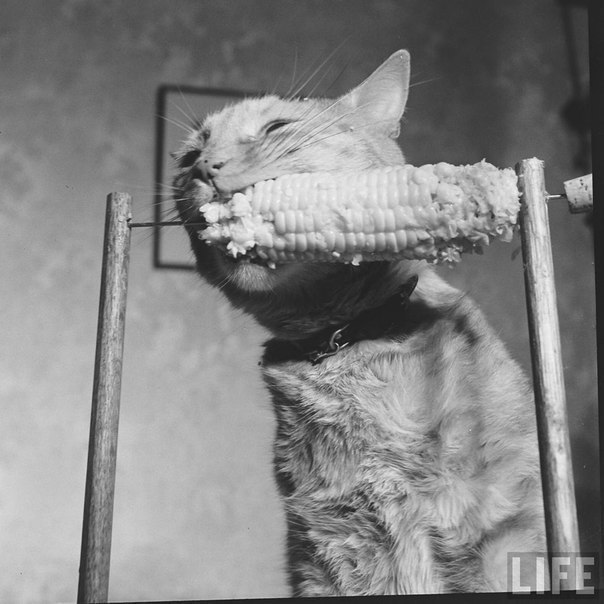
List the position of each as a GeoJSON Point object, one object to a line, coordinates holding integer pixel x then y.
{"type": "Point", "coordinates": [408, 464]}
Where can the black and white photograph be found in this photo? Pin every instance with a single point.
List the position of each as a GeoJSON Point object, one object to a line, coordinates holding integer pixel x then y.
{"type": "Point", "coordinates": [299, 299]}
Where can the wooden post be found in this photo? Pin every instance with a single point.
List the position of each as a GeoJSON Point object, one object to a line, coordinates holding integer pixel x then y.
{"type": "Point", "coordinates": [548, 378]}
{"type": "Point", "coordinates": [100, 477]}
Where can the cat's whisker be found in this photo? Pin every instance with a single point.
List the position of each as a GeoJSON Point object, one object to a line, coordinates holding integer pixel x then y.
{"type": "Point", "coordinates": [293, 80]}
{"type": "Point", "coordinates": [333, 83]}
{"type": "Point", "coordinates": [319, 80]}
{"type": "Point", "coordinates": [321, 66]}
{"type": "Point", "coordinates": [193, 116]}
{"type": "Point", "coordinates": [143, 238]}
{"type": "Point", "coordinates": [169, 188]}
{"type": "Point", "coordinates": [337, 78]}
{"type": "Point", "coordinates": [150, 198]}
{"type": "Point", "coordinates": [193, 121]}
{"type": "Point", "coordinates": [300, 143]}
{"type": "Point", "coordinates": [295, 89]}
{"type": "Point", "coordinates": [422, 82]}
{"type": "Point", "coordinates": [284, 140]}
{"type": "Point", "coordinates": [165, 206]}
{"type": "Point", "coordinates": [222, 284]}
{"type": "Point", "coordinates": [188, 129]}
{"type": "Point", "coordinates": [338, 118]}
{"type": "Point", "coordinates": [290, 139]}
{"type": "Point", "coordinates": [170, 212]}
{"type": "Point", "coordinates": [316, 129]}
{"type": "Point", "coordinates": [147, 189]}
{"type": "Point", "coordinates": [275, 88]}
{"type": "Point", "coordinates": [318, 140]}
{"type": "Point", "coordinates": [339, 99]}
{"type": "Point", "coordinates": [320, 113]}
{"type": "Point", "coordinates": [166, 190]}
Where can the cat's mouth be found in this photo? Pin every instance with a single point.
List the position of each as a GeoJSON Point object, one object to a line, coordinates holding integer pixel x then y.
{"type": "Point", "coordinates": [195, 194]}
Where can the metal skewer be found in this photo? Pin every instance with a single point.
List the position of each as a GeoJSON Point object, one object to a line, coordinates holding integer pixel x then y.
{"type": "Point", "coordinates": [134, 225]}
{"type": "Point", "coordinates": [574, 205]}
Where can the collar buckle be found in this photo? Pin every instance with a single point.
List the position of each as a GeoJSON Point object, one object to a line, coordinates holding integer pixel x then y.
{"type": "Point", "coordinates": [332, 346]}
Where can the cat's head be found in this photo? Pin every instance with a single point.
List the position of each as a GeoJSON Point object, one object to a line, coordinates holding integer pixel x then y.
{"type": "Point", "coordinates": [262, 138]}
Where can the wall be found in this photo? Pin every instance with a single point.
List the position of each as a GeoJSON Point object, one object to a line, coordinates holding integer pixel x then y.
{"type": "Point", "coordinates": [196, 512]}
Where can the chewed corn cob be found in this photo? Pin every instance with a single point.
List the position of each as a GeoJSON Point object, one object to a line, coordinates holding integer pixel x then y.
{"type": "Point", "coordinates": [432, 212]}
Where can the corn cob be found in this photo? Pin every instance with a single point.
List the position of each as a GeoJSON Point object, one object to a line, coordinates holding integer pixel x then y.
{"type": "Point", "coordinates": [432, 212]}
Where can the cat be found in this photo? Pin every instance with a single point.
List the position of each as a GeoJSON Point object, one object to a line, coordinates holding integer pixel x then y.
{"type": "Point", "coordinates": [405, 454]}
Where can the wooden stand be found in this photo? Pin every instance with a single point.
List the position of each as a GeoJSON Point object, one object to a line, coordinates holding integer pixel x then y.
{"type": "Point", "coordinates": [100, 478]}
{"type": "Point", "coordinates": [548, 378]}
{"type": "Point", "coordinates": [550, 399]}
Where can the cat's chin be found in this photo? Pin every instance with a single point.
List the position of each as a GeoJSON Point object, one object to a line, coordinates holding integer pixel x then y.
{"type": "Point", "coordinates": [249, 277]}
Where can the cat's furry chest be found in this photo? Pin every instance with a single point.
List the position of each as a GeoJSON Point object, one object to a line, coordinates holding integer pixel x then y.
{"type": "Point", "coordinates": [390, 440]}
{"type": "Point", "coordinates": [376, 408]}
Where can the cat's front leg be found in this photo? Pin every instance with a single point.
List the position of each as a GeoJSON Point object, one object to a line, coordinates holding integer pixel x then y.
{"type": "Point", "coordinates": [360, 542]}
{"type": "Point", "coordinates": [358, 561]}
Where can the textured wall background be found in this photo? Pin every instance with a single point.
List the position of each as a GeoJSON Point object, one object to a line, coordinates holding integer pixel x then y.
{"type": "Point", "coordinates": [196, 511]}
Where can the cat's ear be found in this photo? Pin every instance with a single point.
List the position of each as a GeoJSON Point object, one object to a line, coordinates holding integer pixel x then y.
{"type": "Point", "coordinates": [382, 97]}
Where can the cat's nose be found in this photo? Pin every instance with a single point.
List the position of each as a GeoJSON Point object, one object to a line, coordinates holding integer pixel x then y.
{"type": "Point", "coordinates": [206, 170]}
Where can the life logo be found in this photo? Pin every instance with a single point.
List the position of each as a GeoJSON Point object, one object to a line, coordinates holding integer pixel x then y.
{"type": "Point", "coordinates": [540, 573]}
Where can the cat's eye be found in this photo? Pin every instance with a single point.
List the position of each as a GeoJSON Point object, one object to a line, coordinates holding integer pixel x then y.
{"type": "Point", "coordinates": [189, 158]}
{"type": "Point", "coordinates": [275, 125]}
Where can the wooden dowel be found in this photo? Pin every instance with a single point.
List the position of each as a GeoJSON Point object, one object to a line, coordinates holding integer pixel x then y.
{"type": "Point", "coordinates": [100, 475]}
{"type": "Point", "coordinates": [548, 378]}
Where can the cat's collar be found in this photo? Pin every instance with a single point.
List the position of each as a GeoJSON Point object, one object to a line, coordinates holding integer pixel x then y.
{"type": "Point", "coordinates": [336, 342]}
{"type": "Point", "coordinates": [371, 324]}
